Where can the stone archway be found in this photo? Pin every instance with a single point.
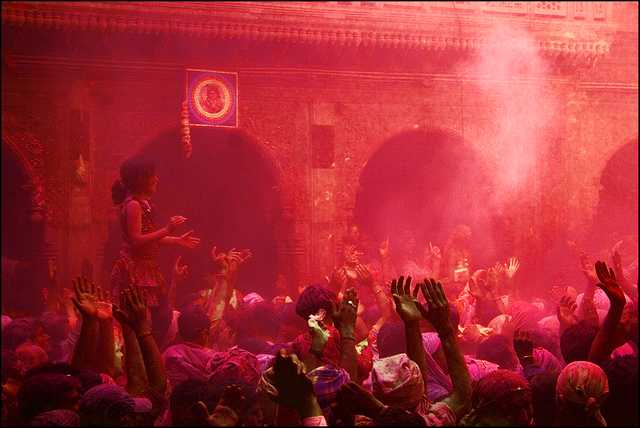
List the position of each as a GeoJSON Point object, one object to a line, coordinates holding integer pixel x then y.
{"type": "Point", "coordinates": [229, 191]}
{"type": "Point", "coordinates": [425, 181]}
{"type": "Point", "coordinates": [617, 211]}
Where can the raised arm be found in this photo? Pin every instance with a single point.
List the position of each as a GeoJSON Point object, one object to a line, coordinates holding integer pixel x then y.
{"type": "Point", "coordinates": [603, 344]}
{"type": "Point", "coordinates": [186, 240]}
{"type": "Point", "coordinates": [137, 380]}
{"type": "Point", "coordinates": [85, 355]}
{"type": "Point", "coordinates": [589, 312]}
{"type": "Point", "coordinates": [621, 278]}
{"type": "Point", "coordinates": [386, 271]}
{"type": "Point", "coordinates": [136, 315]}
{"type": "Point", "coordinates": [408, 308]}
{"type": "Point", "coordinates": [438, 315]}
{"type": "Point", "coordinates": [566, 313]}
{"type": "Point", "coordinates": [384, 305]}
{"type": "Point", "coordinates": [345, 319]}
{"type": "Point", "coordinates": [295, 389]}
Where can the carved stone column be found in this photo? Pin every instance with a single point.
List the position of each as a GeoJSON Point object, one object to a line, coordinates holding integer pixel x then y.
{"type": "Point", "coordinates": [79, 173]}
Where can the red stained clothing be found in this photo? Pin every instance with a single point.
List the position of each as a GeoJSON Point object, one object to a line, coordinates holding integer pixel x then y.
{"type": "Point", "coordinates": [138, 264]}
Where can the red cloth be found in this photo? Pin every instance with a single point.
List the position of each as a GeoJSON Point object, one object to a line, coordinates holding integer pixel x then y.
{"type": "Point", "coordinates": [332, 351]}
{"type": "Point", "coordinates": [234, 364]}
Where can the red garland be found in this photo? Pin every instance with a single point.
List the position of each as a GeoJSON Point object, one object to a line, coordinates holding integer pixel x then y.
{"type": "Point", "coordinates": [186, 134]}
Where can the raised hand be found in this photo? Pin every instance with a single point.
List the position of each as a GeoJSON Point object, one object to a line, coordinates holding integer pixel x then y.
{"type": "Point", "coordinates": [523, 345]}
{"type": "Point", "coordinates": [588, 268]}
{"type": "Point", "coordinates": [134, 311]}
{"type": "Point", "coordinates": [346, 313]}
{"type": "Point", "coordinates": [319, 336]}
{"type": "Point", "coordinates": [609, 285]}
{"type": "Point", "coordinates": [566, 311]}
{"type": "Point", "coordinates": [291, 381]}
{"type": "Point", "coordinates": [499, 268]}
{"type": "Point", "coordinates": [364, 274]}
{"type": "Point", "coordinates": [236, 258]}
{"type": "Point", "coordinates": [90, 300]}
{"type": "Point", "coordinates": [435, 251]}
{"type": "Point", "coordinates": [174, 222]}
{"type": "Point", "coordinates": [188, 241]}
{"type": "Point", "coordinates": [438, 313]}
{"type": "Point", "coordinates": [226, 413]}
{"type": "Point", "coordinates": [220, 260]}
{"type": "Point", "coordinates": [512, 267]}
{"type": "Point", "coordinates": [383, 250]}
{"type": "Point", "coordinates": [407, 305]}
{"type": "Point", "coordinates": [180, 272]}
{"type": "Point", "coordinates": [617, 261]}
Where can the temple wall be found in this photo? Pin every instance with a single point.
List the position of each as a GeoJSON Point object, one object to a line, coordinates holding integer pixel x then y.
{"type": "Point", "coordinates": [111, 112]}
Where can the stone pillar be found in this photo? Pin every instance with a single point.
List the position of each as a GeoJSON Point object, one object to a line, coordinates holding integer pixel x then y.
{"type": "Point", "coordinates": [80, 177]}
{"type": "Point", "coordinates": [323, 189]}
{"type": "Point", "coordinates": [576, 160]}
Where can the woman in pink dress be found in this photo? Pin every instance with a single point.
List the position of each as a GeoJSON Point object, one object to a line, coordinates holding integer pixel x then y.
{"type": "Point", "coordinates": [138, 263]}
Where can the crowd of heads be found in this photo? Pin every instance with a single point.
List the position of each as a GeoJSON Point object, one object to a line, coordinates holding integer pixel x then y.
{"type": "Point", "coordinates": [358, 348]}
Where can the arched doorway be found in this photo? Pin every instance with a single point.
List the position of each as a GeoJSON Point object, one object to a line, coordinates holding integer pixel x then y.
{"type": "Point", "coordinates": [427, 182]}
{"type": "Point", "coordinates": [22, 239]}
{"type": "Point", "coordinates": [228, 191]}
{"type": "Point", "coordinates": [617, 212]}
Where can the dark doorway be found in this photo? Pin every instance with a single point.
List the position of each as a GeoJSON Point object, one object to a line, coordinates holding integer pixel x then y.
{"type": "Point", "coordinates": [228, 191]}
{"type": "Point", "coordinates": [426, 182]}
{"type": "Point", "coordinates": [617, 211]}
{"type": "Point", "coordinates": [21, 239]}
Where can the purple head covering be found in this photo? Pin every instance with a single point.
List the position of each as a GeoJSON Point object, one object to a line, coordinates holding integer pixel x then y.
{"type": "Point", "coordinates": [327, 380]}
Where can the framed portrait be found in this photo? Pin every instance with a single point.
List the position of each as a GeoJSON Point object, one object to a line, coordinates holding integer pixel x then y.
{"type": "Point", "coordinates": [212, 98]}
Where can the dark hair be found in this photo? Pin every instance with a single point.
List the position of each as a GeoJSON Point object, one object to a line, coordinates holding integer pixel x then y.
{"type": "Point", "coordinates": [43, 392]}
{"type": "Point", "coordinates": [133, 172]}
{"type": "Point", "coordinates": [576, 340]}
{"type": "Point", "coordinates": [258, 320]}
{"type": "Point", "coordinates": [314, 298]}
{"type": "Point", "coordinates": [618, 408]}
{"type": "Point", "coordinates": [192, 321]}
{"type": "Point", "coordinates": [88, 378]}
{"type": "Point", "coordinates": [498, 349]}
{"type": "Point", "coordinates": [543, 392]}
{"type": "Point", "coordinates": [391, 339]}
{"type": "Point", "coordinates": [395, 416]}
{"type": "Point", "coordinates": [502, 393]}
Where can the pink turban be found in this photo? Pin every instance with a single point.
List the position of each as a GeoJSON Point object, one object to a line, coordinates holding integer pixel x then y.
{"type": "Point", "coordinates": [582, 382]}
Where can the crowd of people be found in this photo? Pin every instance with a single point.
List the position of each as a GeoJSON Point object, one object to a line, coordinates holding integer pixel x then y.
{"type": "Point", "coordinates": [407, 337]}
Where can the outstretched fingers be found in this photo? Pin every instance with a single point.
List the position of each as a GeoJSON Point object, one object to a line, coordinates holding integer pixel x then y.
{"type": "Point", "coordinates": [407, 286]}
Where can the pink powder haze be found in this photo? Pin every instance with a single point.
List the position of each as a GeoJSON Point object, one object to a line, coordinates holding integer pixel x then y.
{"type": "Point", "coordinates": [407, 119]}
{"type": "Point", "coordinates": [510, 72]}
